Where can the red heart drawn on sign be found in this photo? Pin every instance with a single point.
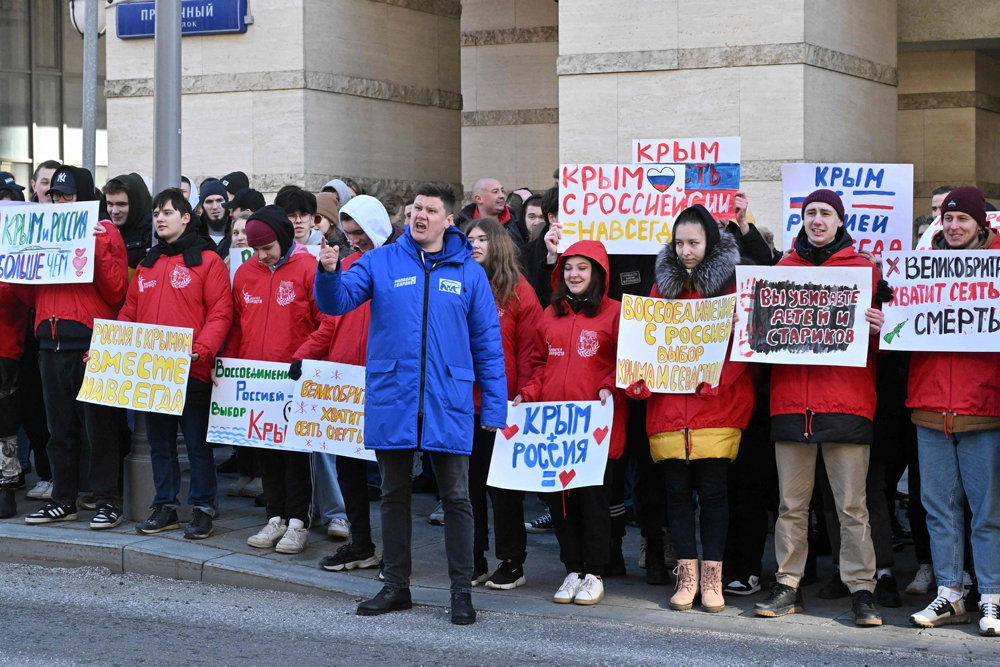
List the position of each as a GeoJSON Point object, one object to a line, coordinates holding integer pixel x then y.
{"type": "Point", "coordinates": [510, 431]}
{"type": "Point", "coordinates": [566, 476]}
{"type": "Point", "coordinates": [78, 264]}
{"type": "Point", "coordinates": [80, 251]}
{"type": "Point", "coordinates": [600, 434]}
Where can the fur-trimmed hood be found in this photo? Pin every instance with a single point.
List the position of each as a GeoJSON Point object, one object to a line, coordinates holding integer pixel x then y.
{"type": "Point", "coordinates": [710, 278]}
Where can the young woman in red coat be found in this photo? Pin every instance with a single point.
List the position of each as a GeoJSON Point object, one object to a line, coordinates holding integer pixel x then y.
{"type": "Point", "coordinates": [696, 436]}
{"type": "Point", "coordinates": [578, 340]}
{"type": "Point", "coordinates": [520, 313]}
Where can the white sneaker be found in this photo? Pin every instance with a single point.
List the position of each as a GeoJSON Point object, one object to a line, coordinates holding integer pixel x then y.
{"type": "Point", "coordinates": [567, 591]}
{"type": "Point", "coordinates": [269, 535]}
{"type": "Point", "coordinates": [922, 581]}
{"type": "Point", "coordinates": [989, 607]}
{"type": "Point", "coordinates": [295, 538]}
{"type": "Point", "coordinates": [941, 612]}
{"type": "Point", "coordinates": [42, 490]}
{"type": "Point", "coordinates": [339, 528]}
{"type": "Point", "coordinates": [642, 553]}
{"type": "Point", "coordinates": [591, 590]}
{"type": "Point", "coordinates": [236, 488]}
{"type": "Point", "coordinates": [437, 516]}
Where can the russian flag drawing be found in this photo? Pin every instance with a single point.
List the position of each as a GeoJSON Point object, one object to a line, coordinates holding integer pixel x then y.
{"type": "Point", "coordinates": [796, 202]}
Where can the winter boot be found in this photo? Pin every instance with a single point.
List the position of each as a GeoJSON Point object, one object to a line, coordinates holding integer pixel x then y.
{"type": "Point", "coordinates": [711, 586]}
{"type": "Point", "coordinates": [687, 584]}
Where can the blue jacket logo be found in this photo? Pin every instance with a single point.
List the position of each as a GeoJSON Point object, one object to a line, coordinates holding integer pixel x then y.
{"type": "Point", "coordinates": [450, 286]}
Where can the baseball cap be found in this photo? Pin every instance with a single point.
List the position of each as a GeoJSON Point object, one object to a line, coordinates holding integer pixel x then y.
{"type": "Point", "coordinates": [8, 182]}
{"type": "Point", "coordinates": [64, 182]}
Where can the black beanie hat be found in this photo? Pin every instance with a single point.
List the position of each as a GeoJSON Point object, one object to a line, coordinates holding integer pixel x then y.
{"type": "Point", "coordinates": [966, 199]}
{"type": "Point", "coordinates": [700, 215]}
{"type": "Point", "coordinates": [276, 218]}
{"type": "Point", "coordinates": [827, 197]}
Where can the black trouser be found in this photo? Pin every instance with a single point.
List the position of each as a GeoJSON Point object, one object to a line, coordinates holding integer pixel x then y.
{"type": "Point", "coordinates": [582, 524]}
{"type": "Point", "coordinates": [753, 491]}
{"type": "Point", "coordinates": [352, 475]}
{"type": "Point", "coordinates": [33, 405]}
{"type": "Point", "coordinates": [707, 477]}
{"type": "Point", "coordinates": [508, 505]}
{"type": "Point", "coordinates": [247, 461]}
{"type": "Point", "coordinates": [649, 492]}
{"type": "Point", "coordinates": [69, 420]}
{"type": "Point", "coordinates": [287, 484]}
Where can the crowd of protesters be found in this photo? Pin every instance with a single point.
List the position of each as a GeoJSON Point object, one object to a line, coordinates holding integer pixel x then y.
{"type": "Point", "coordinates": [821, 447]}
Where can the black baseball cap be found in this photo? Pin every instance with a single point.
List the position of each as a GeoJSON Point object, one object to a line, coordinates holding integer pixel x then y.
{"type": "Point", "coordinates": [247, 199]}
{"type": "Point", "coordinates": [8, 182]}
{"type": "Point", "coordinates": [235, 181]}
{"type": "Point", "coordinates": [63, 181]}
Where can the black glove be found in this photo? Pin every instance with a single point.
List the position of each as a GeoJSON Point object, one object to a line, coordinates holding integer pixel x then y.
{"type": "Point", "coordinates": [883, 293]}
{"type": "Point", "coordinates": [295, 370]}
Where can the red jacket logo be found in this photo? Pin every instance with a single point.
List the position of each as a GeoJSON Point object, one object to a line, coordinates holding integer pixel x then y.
{"type": "Point", "coordinates": [588, 344]}
{"type": "Point", "coordinates": [145, 284]}
{"type": "Point", "coordinates": [250, 298]}
{"type": "Point", "coordinates": [180, 277]}
{"type": "Point", "coordinates": [286, 293]}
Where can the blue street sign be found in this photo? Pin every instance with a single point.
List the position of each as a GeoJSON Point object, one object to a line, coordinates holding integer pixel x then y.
{"type": "Point", "coordinates": [198, 17]}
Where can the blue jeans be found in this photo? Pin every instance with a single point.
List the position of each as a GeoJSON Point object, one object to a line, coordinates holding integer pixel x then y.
{"type": "Point", "coordinates": [162, 433]}
{"type": "Point", "coordinates": [328, 500]}
{"type": "Point", "coordinates": [965, 465]}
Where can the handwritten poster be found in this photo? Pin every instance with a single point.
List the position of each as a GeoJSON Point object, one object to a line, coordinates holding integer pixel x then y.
{"type": "Point", "coordinates": [238, 256]}
{"type": "Point", "coordinates": [47, 243]}
{"type": "Point", "coordinates": [552, 446]}
{"type": "Point", "coordinates": [139, 366]}
{"type": "Point", "coordinates": [927, 238]}
{"type": "Point", "coordinates": [712, 169]}
{"type": "Point", "coordinates": [878, 201]}
{"type": "Point", "coordinates": [250, 404]}
{"type": "Point", "coordinates": [328, 409]}
{"type": "Point", "coordinates": [798, 315]}
{"type": "Point", "coordinates": [674, 345]}
{"type": "Point", "coordinates": [628, 208]}
{"type": "Point", "coordinates": [943, 300]}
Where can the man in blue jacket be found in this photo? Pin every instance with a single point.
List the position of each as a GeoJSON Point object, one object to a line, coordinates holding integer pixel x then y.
{"type": "Point", "coordinates": [434, 331]}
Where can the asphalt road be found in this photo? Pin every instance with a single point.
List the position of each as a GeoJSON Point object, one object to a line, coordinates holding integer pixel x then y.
{"type": "Point", "coordinates": [79, 616]}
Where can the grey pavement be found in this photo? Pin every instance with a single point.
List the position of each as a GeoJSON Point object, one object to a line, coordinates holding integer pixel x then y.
{"type": "Point", "coordinates": [225, 558]}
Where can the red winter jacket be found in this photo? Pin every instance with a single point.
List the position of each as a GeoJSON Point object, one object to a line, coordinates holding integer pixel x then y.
{"type": "Point", "coordinates": [956, 384]}
{"type": "Point", "coordinates": [13, 319]}
{"type": "Point", "coordinates": [825, 403]}
{"type": "Point", "coordinates": [171, 294]}
{"type": "Point", "coordinates": [274, 312]}
{"type": "Point", "coordinates": [57, 307]}
{"type": "Point", "coordinates": [343, 338]}
{"type": "Point", "coordinates": [577, 354]}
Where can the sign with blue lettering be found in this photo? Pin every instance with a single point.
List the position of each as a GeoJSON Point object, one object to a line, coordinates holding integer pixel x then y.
{"type": "Point", "coordinates": [552, 446]}
{"type": "Point", "coordinates": [44, 244]}
{"type": "Point", "coordinates": [251, 402]}
{"type": "Point", "coordinates": [198, 17]}
{"type": "Point", "coordinates": [878, 201]}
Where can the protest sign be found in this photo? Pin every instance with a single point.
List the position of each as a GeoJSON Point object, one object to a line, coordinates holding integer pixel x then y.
{"type": "Point", "coordinates": [628, 208]}
{"type": "Point", "coordinates": [797, 315]}
{"type": "Point", "coordinates": [47, 243]}
{"type": "Point", "coordinates": [674, 345]}
{"type": "Point", "coordinates": [139, 366]}
{"type": "Point", "coordinates": [712, 169]}
{"type": "Point", "coordinates": [328, 409]}
{"type": "Point", "coordinates": [552, 446]}
{"type": "Point", "coordinates": [878, 201]}
{"type": "Point", "coordinates": [250, 404]}
{"type": "Point", "coordinates": [992, 220]}
{"type": "Point", "coordinates": [238, 256]}
{"type": "Point", "coordinates": [943, 300]}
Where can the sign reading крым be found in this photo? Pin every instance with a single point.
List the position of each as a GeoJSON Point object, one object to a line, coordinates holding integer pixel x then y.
{"type": "Point", "coordinates": [712, 169]}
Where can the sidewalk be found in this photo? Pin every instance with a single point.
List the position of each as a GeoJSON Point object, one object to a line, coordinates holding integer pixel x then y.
{"type": "Point", "coordinates": [225, 558]}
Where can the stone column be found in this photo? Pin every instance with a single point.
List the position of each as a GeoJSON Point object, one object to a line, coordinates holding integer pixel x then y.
{"type": "Point", "coordinates": [798, 81]}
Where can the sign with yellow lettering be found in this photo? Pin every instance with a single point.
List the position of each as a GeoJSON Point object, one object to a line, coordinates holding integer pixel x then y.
{"type": "Point", "coordinates": [138, 366]}
{"type": "Point", "coordinates": [328, 409]}
{"type": "Point", "coordinates": [674, 345]}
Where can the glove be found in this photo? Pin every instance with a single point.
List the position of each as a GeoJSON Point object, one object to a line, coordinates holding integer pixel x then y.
{"type": "Point", "coordinates": [295, 370]}
{"type": "Point", "coordinates": [638, 390]}
{"type": "Point", "coordinates": [883, 293]}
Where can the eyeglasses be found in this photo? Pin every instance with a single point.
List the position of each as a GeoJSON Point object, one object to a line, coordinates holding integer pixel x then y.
{"type": "Point", "coordinates": [300, 217]}
{"type": "Point", "coordinates": [57, 196]}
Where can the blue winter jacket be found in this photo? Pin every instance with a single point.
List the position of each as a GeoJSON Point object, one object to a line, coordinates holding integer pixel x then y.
{"type": "Point", "coordinates": [434, 331]}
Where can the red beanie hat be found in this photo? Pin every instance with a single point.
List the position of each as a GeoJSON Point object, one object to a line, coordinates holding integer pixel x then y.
{"type": "Point", "coordinates": [966, 199]}
{"type": "Point", "coordinates": [827, 197]}
{"type": "Point", "coordinates": [259, 233]}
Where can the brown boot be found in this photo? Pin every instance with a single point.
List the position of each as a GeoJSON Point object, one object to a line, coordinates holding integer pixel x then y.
{"type": "Point", "coordinates": [711, 586]}
{"type": "Point", "coordinates": [687, 584]}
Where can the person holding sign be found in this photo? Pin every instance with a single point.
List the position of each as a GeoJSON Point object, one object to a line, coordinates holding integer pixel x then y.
{"type": "Point", "coordinates": [519, 313]}
{"type": "Point", "coordinates": [828, 409]}
{"type": "Point", "coordinates": [182, 282]}
{"type": "Point", "coordinates": [955, 398]}
{"type": "Point", "coordinates": [697, 435]}
{"type": "Point", "coordinates": [578, 341]}
{"type": "Point", "coordinates": [64, 320]}
{"type": "Point", "coordinates": [433, 329]}
{"type": "Point", "coordinates": [274, 313]}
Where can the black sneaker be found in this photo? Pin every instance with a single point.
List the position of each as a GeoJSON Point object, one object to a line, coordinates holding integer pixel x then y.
{"type": "Point", "coordinates": [480, 571]}
{"type": "Point", "coordinates": [542, 524]}
{"type": "Point", "coordinates": [834, 588]}
{"type": "Point", "coordinates": [346, 558]}
{"type": "Point", "coordinates": [462, 611]}
{"type": "Point", "coordinates": [749, 586]}
{"type": "Point", "coordinates": [887, 592]}
{"type": "Point", "coordinates": [864, 611]}
{"type": "Point", "coordinates": [781, 600]}
{"type": "Point", "coordinates": [107, 516]}
{"type": "Point", "coordinates": [509, 575]}
{"type": "Point", "coordinates": [163, 518]}
{"type": "Point", "coordinates": [200, 526]}
{"type": "Point", "coordinates": [52, 511]}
